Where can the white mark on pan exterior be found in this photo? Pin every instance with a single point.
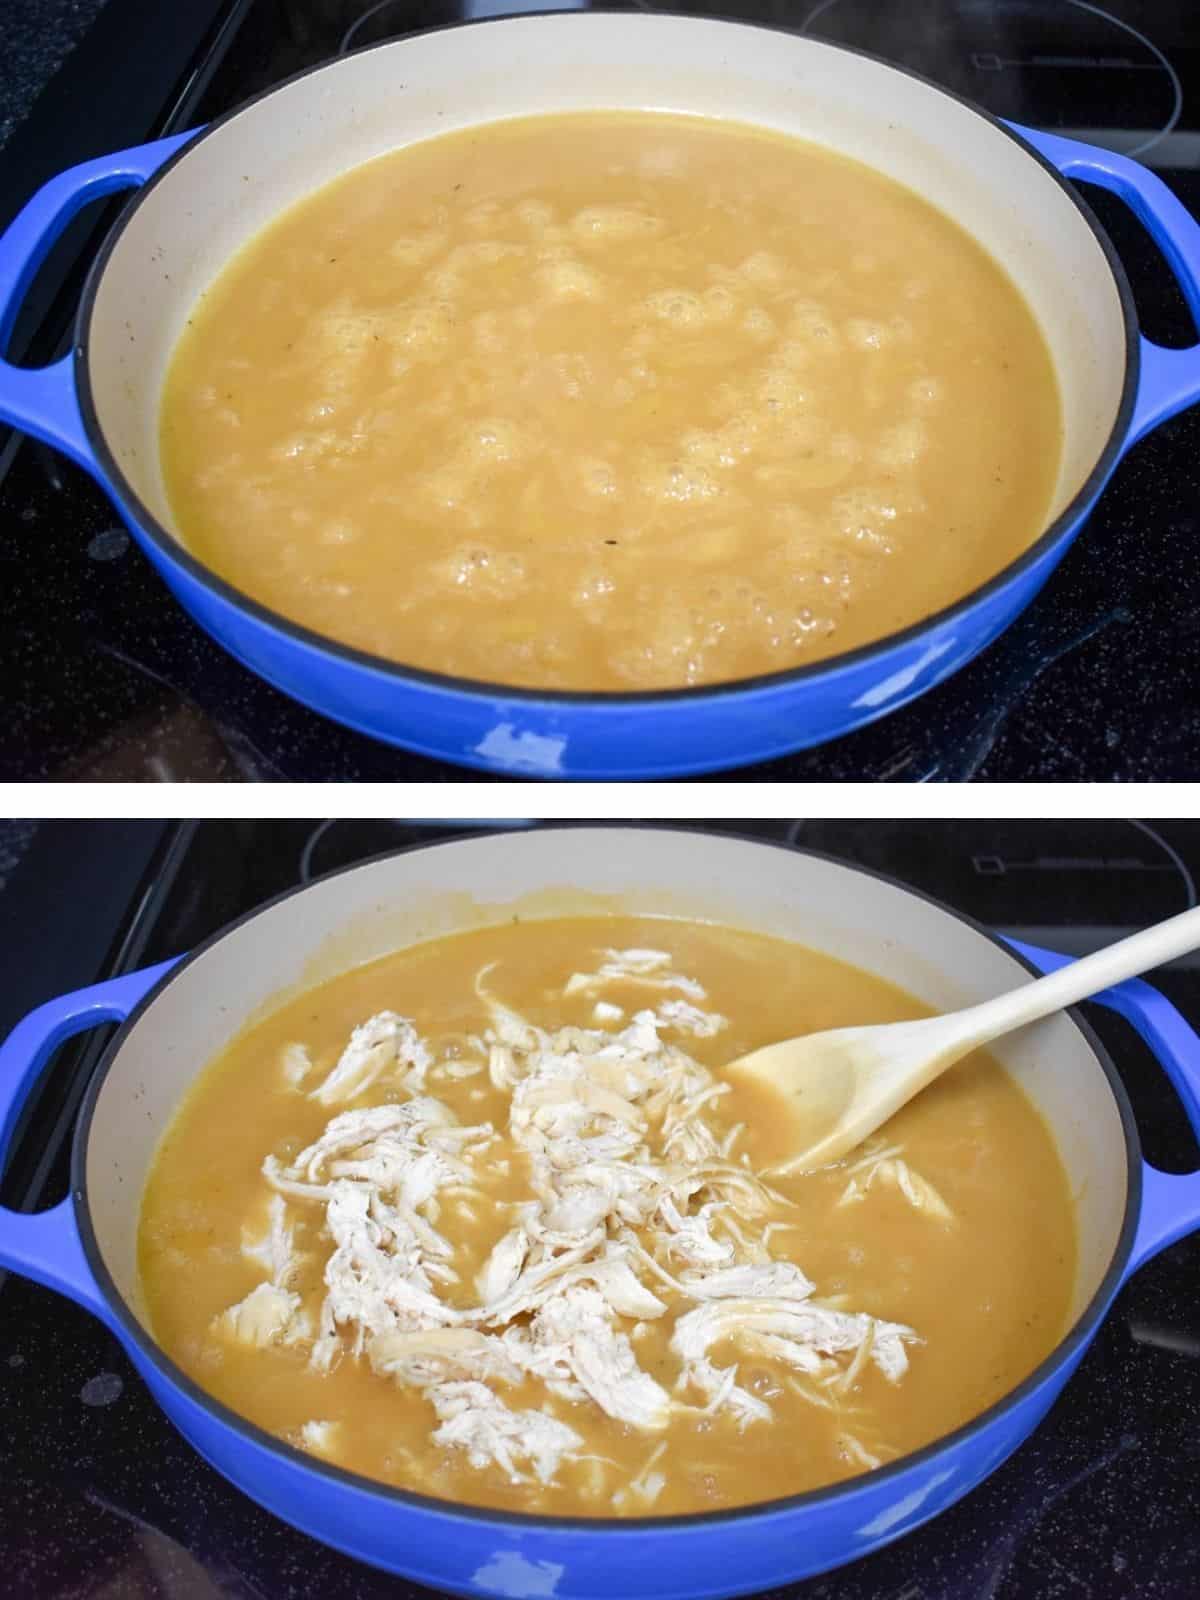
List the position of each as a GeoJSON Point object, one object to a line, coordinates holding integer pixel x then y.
{"type": "Point", "coordinates": [522, 750]}
{"type": "Point", "coordinates": [892, 1516]}
{"type": "Point", "coordinates": [880, 694]}
{"type": "Point", "coordinates": [16, 1360]}
{"type": "Point", "coordinates": [102, 1390]}
{"type": "Point", "coordinates": [511, 1574]}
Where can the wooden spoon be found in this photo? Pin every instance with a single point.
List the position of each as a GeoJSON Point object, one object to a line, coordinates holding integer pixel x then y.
{"type": "Point", "coordinates": [844, 1084]}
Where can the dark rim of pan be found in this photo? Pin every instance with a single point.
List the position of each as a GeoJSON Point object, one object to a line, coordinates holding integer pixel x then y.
{"type": "Point", "coordinates": [1070, 1345]}
{"type": "Point", "coordinates": [175, 551]}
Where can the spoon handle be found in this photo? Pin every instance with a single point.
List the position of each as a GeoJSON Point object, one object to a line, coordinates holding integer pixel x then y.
{"type": "Point", "coordinates": [1125, 959]}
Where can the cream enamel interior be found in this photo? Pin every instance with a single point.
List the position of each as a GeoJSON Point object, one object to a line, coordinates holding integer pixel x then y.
{"type": "Point", "coordinates": [379, 907]}
{"type": "Point", "coordinates": [295, 140]}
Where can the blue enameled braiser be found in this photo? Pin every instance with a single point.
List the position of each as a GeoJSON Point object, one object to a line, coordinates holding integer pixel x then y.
{"type": "Point", "coordinates": [560, 734]}
{"type": "Point", "coordinates": [85, 1247]}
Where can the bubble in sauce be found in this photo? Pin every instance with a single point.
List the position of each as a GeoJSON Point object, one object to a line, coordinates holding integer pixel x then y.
{"type": "Point", "coordinates": [739, 436]}
{"type": "Point", "coordinates": [345, 332]}
{"type": "Point", "coordinates": [484, 253]}
{"type": "Point", "coordinates": [298, 447]}
{"type": "Point", "coordinates": [791, 355]}
{"type": "Point", "coordinates": [902, 445]}
{"type": "Point", "coordinates": [592, 593]}
{"type": "Point", "coordinates": [570, 280]}
{"type": "Point", "coordinates": [865, 333]}
{"type": "Point", "coordinates": [414, 250]}
{"type": "Point", "coordinates": [702, 447]}
{"type": "Point", "coordinates": [339, 530]}
{"type": "Point", "coordinates": [925, 393]}
{"type": "Point", "coordinates": [679, 306]}
{"type": "Point", "coordinates": [422, 330]}
{"type": "Point", "coordinates": [679, 484]}
{"type": "Point", "coordinates": [759, 324]}
{"type": "Point", "coordinates": [864, 516]}
{"type": "Point", "coordinates": [763, 267]}
{"type": "Point", "coordinates": [449, 488]}
{"type": "Point", "coordinates": [598, 479]}
{"type": "Point", "coordinates": [603, 223]}
{"type": "Point", "coordinates": [445, 282]}
{"type": "Point", "coordinates": [573, 372]}
{"type": "Point", "coordinates": [492, 441]}
{"type": "Point", "coordinates": [480, 570]}
{"type": "Point", "coordinates": [809, 320]}
{"type": "Point", "coordinates": [534, 214]}
{"type": "Point", "coordinates": [719, 303]}
{"type": "Point", "coordinates": [805, 622]}
{"type": "Point", "coordinates": [661, 656]}
{"type": "Point", "coordinates": [780, 390]}
{"type": "Point", "coordinates": [483, 216]}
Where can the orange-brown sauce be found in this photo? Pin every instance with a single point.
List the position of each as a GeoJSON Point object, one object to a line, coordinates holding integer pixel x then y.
{"type": "Point", "coordinates": [610, 401]}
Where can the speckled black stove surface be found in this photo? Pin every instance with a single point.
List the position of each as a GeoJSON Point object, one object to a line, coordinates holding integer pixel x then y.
{"type": "Point", "coordinates": [36, 37]}
{"type": "Point", "coordinates": [102, 1500]}
{"type": "Point", "coordinates": [106, 676]}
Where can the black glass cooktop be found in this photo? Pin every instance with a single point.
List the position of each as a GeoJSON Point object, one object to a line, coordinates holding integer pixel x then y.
{"type": "Point", "coordinates": [103, 1501]}
{"type": "Point", "coordinates": [108, 678]}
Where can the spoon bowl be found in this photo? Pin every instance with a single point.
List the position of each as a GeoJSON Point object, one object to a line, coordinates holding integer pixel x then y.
{"type": "Point", "coordinates": [841, 1085]}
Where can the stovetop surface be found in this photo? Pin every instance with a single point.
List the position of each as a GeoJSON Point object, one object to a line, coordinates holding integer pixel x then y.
{"type": "Point", "coordinates": [108, 677]}
{"type": "Point", "coordinates": [104, 1501]}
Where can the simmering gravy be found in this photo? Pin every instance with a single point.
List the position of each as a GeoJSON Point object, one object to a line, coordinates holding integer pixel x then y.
{"type": "Point", "coordinates": [610, 401]}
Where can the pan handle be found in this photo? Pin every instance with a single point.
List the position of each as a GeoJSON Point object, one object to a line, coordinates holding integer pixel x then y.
{"type": "Point", "coordinates": [45, 1245]}
{"type": "Point", "coordinates": [1170, 1202]}
{"type": "Point", "coordinates": [1169, 380]}
{"type": "Point", "coordinates": [42, 400]}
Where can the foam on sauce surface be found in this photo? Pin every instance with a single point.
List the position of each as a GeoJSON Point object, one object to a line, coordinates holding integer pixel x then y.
{"type": "Point", "coordinates": [547, 1268]}
{"type": "Point", "coordinates": [610, 401]}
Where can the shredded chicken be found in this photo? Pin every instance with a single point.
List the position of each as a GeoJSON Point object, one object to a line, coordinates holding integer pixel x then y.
{"type": "Point", "coordinates": [437, 1355]}
{"type": "Point", "coordinates": [650, 969]}
{"type": "Point", "coordinates": [856, 1453]}
{"type": "Point", "coordinates": [475, 1420]}
{"type": "Point", "coordinates": [295, 1063]}
{"type": "Point", "coordinates": [634, 1212]}
{"type": "Point", "coordinates": [719, 1388]}
{"type": "Point", "coordinates": [572, 1346]}
{"type": "Point", "coordinates": [320, 1437]}
{"type": "Point", "coordinates": [274, 1248]}
{"type": "Point", "coordinates": [886, 1168]}
{"type": "Point", "coordinates": [687, 1018]}
{"type": "Point", "coordinates": [266, 1316]}
{"type": "Point", "coordinates": [644, 1488]}
{"type": "Point", "coordinates": [377, 1047]}
{"type": "Point", "coordinates": [800, 1334]}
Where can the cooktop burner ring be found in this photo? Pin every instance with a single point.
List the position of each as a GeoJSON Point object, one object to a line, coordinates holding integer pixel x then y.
{"type": "Point", "coordinates": [991, 63]}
